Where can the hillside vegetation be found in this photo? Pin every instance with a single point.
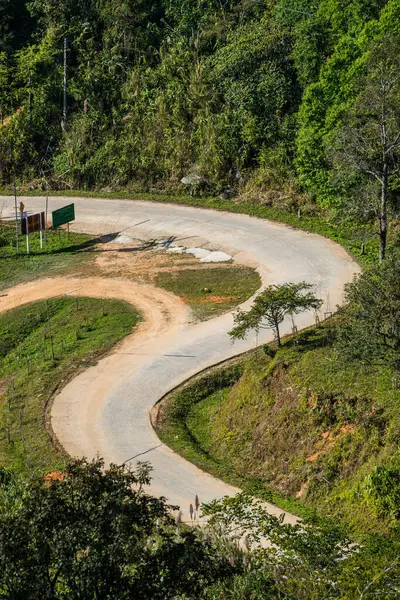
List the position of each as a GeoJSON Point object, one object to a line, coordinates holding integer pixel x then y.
{"type": "Point", "coordinates": [314, 421]}
{"type": "Point", "coordinates": [246, 95]}
{"type": "Point", "coordinates": [310, 429]}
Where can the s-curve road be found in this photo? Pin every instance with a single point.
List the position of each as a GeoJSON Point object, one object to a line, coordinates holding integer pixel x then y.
{"type": "Point", "coordinates": [105, 410]}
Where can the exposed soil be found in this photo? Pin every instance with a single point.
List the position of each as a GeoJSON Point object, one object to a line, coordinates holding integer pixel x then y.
{"type": "Point", "coordinates": [143, 263]}
{"type": "Point", "coordinates": [160, 309]}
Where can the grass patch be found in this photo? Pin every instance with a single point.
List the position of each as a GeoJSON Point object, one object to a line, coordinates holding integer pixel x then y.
{"type": "Point", "coordinates": [57, 257]}
{"type": "Point", "coordinates": [350, 236]}
{"type": "Point", "coordinates": [202, 415]}
{"type": "Point", "coordinates": [211, 291]}
{"type": "Point", "coordinates": [80, 331]}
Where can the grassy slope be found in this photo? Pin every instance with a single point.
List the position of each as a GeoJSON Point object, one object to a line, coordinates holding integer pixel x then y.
{"type": "Point", "coordinates": [184, 423]}
{"type": "Point", "coordinates": [299, 425]}
{"type": "Point", "coordinates": [81, 331]}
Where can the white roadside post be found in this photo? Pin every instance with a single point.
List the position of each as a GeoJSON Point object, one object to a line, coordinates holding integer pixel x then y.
{"type": "Point", "coordinates": [27, 237]}
{"type": "Point", "coordinates": [16, 217]}
{"type": "Point", "coordinates": [45, 218]}
{"type": "Point", "coordinates": [40, 231]}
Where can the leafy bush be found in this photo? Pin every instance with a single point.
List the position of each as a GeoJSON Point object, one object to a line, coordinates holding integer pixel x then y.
{"type": "Point", "coordinates": [383, 487]}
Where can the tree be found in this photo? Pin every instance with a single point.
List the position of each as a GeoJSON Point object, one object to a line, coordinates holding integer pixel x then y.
{"type": "Point", "coordinates": [309, 560]}
{"type": "Point", "coordinates": [367, 145]}
{"type": "Point", "coordinates": [95, 534]}
{"type": "Point", "coordinates": [370, 331]}
{"type": "Point", "coordinates": [272, 305]}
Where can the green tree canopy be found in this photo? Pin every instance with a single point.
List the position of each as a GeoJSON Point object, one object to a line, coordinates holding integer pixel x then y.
{"type": "Point", "coordinates": [309, 560]}
{"type": "Point", "coordinates": [271, 307]}
{"type": "Point", "coordinates": [246, 94]}
{"type": "Point", "coordinates": [366, 146]}
{"type": "Point", "coordinates": [94, 533]}
{"type": "Point", "coordinates": [370, 331]}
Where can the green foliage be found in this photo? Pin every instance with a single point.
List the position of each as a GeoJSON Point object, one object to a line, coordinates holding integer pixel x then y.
{"type": "Point", "coordinates": [92, 532]}
{"type": "Point", "coordinates": [370, 331]}
{"type": "Point", "coordinates": [364, 150]}
{"type": "Point", "coordinates": [383, 486]}
{"type": "Point", "coordinates": [308, 560]}
{"type": "Point", "coordinates": [354, 29]}
{"type": "Point", "coordinates": [272, 305]}
{"type": "Point", "coordinates": [257, 86]}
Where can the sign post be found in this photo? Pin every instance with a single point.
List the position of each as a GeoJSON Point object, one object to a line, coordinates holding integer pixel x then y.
{"type": "Point", "coordinates": [31, 223]}
{"type": "Point", "coordinates": [16, 217]}
{"type": "Point", "coordinates": [47, 207]}
{"type": "Point", "coordinates": [63, 215]}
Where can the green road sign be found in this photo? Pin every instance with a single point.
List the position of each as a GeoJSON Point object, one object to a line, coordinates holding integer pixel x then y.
{"type": "Point", "coordinates": [63, 215]}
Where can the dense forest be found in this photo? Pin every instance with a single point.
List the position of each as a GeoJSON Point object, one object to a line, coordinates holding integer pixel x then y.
{"type": "Point", "coordinates": [266, 98]}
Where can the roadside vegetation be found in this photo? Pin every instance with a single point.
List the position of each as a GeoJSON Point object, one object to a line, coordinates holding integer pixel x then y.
{"type": "Point", "coordinates": [43, 345]}
{"type": "Point", "coordinates": [314, 421]}
{"type": "Point", "coordinates": [94, 532]}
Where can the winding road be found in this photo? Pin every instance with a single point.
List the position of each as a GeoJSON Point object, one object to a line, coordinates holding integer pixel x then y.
{"type": "Point", "coordinates": [105, 410]}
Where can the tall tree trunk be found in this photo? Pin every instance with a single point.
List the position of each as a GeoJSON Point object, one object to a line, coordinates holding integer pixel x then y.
{"type": "Point", "coordinates": [383, 226]}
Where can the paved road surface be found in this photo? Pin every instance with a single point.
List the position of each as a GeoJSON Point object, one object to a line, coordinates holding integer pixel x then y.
{"type": "Point", "coordinates": [106, 410]}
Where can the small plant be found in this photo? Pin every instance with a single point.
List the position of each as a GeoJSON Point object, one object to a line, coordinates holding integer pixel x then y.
{"type": "Point", "coordinates": [383, 487]}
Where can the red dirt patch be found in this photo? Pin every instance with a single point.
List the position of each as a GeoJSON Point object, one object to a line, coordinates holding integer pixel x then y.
{"type": "Point", "coordinates": [55, 476]}
{"type": "Point", "coordinates": [217, 299]}
{"type": "Point", "coordinates": [313, 457]}
{"type": "Point", "coordinates": [328, 440]}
